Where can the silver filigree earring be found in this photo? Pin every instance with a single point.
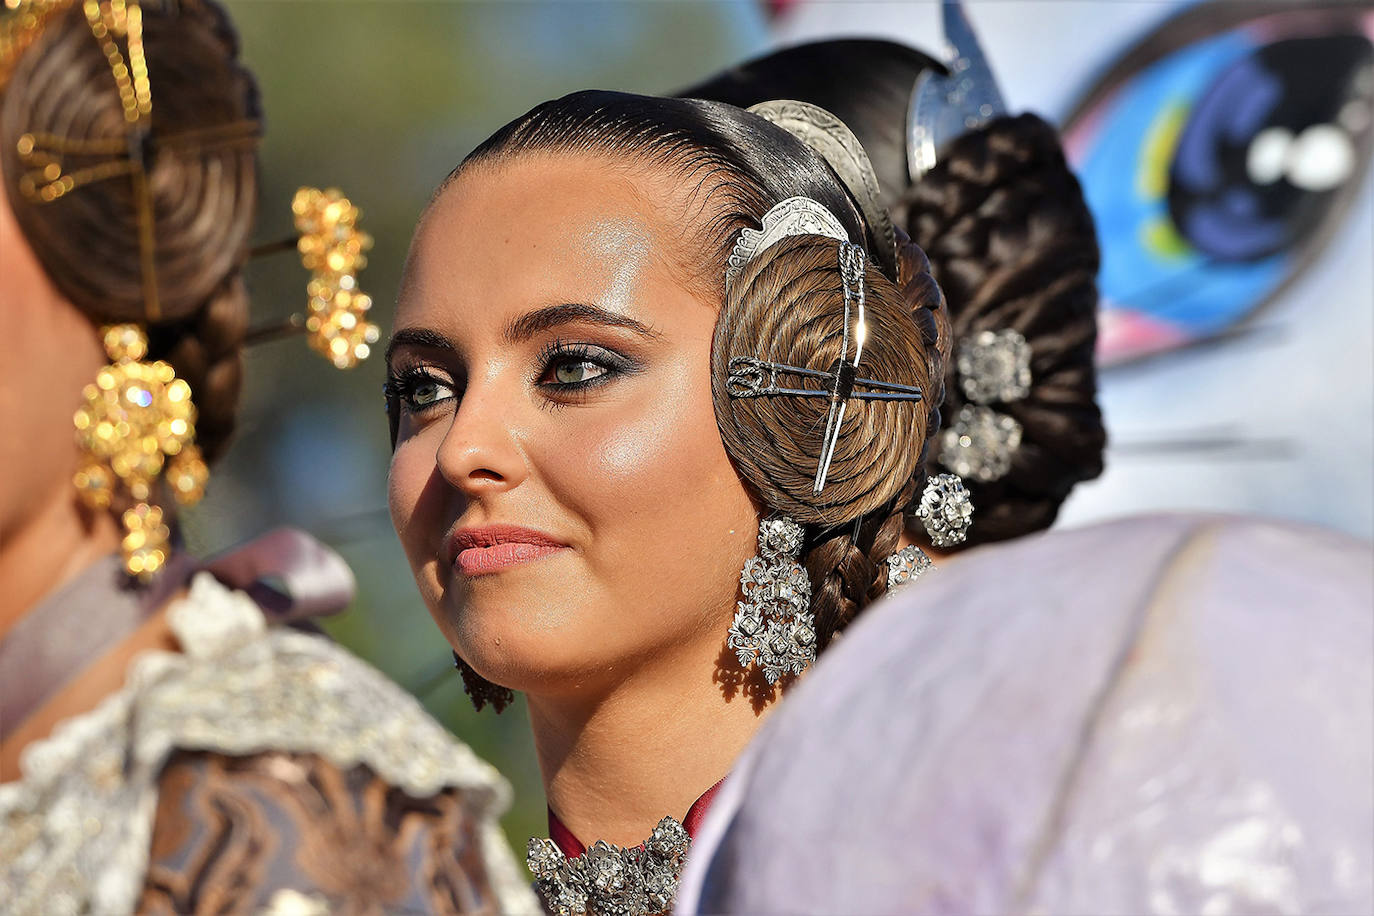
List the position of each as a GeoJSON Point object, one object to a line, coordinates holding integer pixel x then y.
{"type": "Point", "coordinates": [773, 626]}
{"type": "Point", "coordinates": [945, 510]}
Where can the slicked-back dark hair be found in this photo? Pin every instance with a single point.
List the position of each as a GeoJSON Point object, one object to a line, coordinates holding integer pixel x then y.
{"type": "Point", "coordinates": [742, 163]}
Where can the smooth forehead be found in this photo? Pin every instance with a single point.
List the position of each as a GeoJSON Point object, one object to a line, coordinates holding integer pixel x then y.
{"type": "Point", "coordinates": [539, 223]}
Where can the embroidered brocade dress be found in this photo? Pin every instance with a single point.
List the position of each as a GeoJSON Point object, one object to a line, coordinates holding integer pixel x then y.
{"type": "Point", "coordinates": [261, 769]}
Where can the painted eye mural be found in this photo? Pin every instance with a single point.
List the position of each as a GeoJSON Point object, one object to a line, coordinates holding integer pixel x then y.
{"type": "Point", "coordinates": [1217, 156]}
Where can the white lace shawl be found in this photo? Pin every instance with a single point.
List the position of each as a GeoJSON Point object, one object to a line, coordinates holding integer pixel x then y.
{"type": "Point", "coordinates": [75, 830]}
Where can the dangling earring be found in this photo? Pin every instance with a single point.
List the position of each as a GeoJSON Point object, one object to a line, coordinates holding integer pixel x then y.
{"type": "Point", "coordinates": [945, 510]}
{"type": "Point", "coordinates": [773, 626]}
{"type": "Point", "coordinates": [138, 417]}
{"type": "Point", "coordinates": [482, 691]}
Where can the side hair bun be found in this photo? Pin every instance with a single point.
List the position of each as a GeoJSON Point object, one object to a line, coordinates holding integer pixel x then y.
{"type": "Point", "coordinates": [787, 306]}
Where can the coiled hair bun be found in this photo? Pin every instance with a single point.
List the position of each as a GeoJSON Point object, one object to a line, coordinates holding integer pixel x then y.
{"type": "Point", "coordinates": [204, 194]}
{"type": "Point", "coordinates": [787, 306]}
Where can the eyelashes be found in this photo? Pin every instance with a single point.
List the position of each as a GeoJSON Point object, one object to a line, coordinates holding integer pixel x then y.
{"type": "Point", "coordinates": [415, 390]}
{"type": "Point", "coordinates": [564, 372]}
{"type": "Point", "coordinates": [574, 369]}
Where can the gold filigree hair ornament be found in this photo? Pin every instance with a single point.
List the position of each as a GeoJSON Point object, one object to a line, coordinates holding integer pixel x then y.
{"type": "Point", "coordinates": [332, 248]}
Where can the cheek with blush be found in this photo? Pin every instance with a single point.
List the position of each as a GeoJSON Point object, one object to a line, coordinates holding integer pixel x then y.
{"type": "Point", "coordinates": [671, 522]}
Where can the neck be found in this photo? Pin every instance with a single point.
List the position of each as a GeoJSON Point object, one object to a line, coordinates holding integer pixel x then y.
{"type": "Point", "coordinates": [46, 550]}
{"type": "Point", "coordinates": [616, 764]}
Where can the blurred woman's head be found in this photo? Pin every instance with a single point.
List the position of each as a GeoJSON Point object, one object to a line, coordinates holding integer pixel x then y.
{"type": "Point", "coordinates": [78, 255]}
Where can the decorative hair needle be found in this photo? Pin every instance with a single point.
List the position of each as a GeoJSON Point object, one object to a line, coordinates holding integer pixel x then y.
{"type": "Point", "coordinates": [331, 247]}
{"type": "Point", "coordinates": [851, 271]}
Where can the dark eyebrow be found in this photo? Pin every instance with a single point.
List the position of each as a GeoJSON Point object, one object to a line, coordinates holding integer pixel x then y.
{"type": "Point", "coordinates": [418, 337]}
{"type": "Point", "coordinates": [532, 323]}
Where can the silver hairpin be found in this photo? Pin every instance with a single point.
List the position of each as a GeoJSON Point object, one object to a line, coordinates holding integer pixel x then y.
{"type": "Point", "coordinates": [794, 216]}
{"type": "Point", "coordinates": [994, 367]}
{"type": "Point", "coordinates": [751, 377]}
{"type": "Point", "coordinates": [906, 566]}
{"type": "Point", "coordinates": [852, 263]}
{"type": "Point", "coordinates": [944, 108]}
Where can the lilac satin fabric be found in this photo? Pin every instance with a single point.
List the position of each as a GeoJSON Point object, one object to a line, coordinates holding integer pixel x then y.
{"type": "Point", "coordinates": [288, 573]}
{"type": "Point", "coordinates": [1162, 715]}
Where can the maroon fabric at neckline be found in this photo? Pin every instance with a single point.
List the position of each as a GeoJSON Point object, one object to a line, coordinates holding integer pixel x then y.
{"type": "Point", "coordinates": [572, 847]}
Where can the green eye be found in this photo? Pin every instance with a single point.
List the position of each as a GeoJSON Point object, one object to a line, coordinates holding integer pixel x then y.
{"type": "Point", "coordinates": [573, 372]}
{"type": "Point", "coordinates": [424, 394]}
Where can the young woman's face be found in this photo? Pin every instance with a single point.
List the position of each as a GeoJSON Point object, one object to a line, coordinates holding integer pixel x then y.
{"type": "Point", "coordinates": [558, 483]}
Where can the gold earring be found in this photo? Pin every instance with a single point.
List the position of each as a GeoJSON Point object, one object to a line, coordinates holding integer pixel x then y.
{"type": "Point", "coordinates": [332, 246]}
{"type": "Point", "coordinates": [136, 427]}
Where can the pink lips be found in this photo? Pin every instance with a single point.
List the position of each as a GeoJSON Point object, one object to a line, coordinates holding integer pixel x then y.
{"type": "Point", "coordinates": [492, 548]}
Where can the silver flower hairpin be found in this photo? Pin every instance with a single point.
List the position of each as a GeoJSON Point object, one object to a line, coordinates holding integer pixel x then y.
{"type": "Point", "coordinates": [906, 566]}
{"type": "Point", "coordinates": [944, 108]}
{"type": "Point", "coordinates": [994, 367]}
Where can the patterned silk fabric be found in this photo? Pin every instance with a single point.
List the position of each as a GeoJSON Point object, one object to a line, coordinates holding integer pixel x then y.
{"type": "Point", "coordinates": [260, 831]}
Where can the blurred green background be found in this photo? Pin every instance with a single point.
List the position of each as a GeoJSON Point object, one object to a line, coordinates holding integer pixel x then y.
{"type": "Point", "coordinates": [381, 99]}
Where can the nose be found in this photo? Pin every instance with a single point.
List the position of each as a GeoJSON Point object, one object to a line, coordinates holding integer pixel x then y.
{"type": "Point", "coordinates": [479, 454]}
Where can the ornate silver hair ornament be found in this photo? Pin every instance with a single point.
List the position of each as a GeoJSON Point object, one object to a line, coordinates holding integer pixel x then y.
{"type": "Point", "coordinates": [906, 566]}
{"type": "Point", "coordinates": [944, 108]}
{"type": "Point", "coordinates": [794, 216]}
{"type": "Point", "coordinates": [828, 136]}
{"type": "Point", "coordinates": [994, 367]}
{"type": "Point", "coordinates": [752, 377]}
{"type": "Point", "coordinates": [945, 510]}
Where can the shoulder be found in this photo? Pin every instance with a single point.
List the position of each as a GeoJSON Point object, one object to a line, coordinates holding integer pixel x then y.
{"type": "Point", "coordinates": [241, 708]}
{"type": "Point", "coordinates": [241, 686]}
{"type": "Point", "coordinates": [1006, 712]}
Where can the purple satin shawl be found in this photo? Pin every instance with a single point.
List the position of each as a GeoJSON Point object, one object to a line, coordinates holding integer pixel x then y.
{"type": "Point", "coordinates": [1158, 715]}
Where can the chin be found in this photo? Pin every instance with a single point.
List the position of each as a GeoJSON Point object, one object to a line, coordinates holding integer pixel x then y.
{"type": "Point", "coordinates": [518, 639]}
